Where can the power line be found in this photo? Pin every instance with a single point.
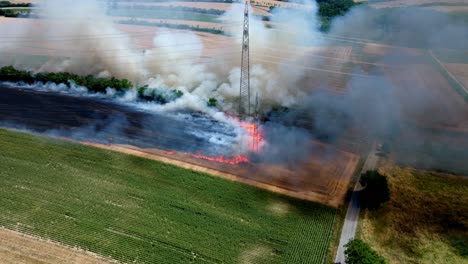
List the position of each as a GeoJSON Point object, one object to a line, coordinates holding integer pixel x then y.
{"type": "Point", "coordinates": [136, 53]}
{"type": "Point", "coordinates": [88, 37]}
{"type": "Point", "coordinates": [316, 69]}
{"type": "Point", "coordinates": [147, 65]}
{"type": "Point", "coordinates": [305, 53]}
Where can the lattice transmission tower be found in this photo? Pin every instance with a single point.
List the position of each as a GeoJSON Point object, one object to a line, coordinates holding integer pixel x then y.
{"type": "Point", "coordinates": [244, 93]}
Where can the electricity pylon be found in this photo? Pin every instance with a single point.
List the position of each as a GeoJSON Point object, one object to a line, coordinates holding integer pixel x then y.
{"type": "Point", "coordinates": [244, 93]}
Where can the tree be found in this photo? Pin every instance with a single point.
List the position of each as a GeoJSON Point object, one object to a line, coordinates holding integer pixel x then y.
{"type": "Point", "coordinates": [358, 252]}
{"type": "Point", "coordinates": [376, 190]}
{"type": "Point", "coordinates": [212, 102]}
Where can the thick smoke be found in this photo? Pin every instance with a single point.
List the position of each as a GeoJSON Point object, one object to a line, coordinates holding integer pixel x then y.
{"type": "Point", "coordinates": [87, 41]}
{"type": "Point", "coordinates": [399, 104]}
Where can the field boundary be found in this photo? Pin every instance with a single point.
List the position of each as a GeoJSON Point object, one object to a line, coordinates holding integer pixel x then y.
{"type": "Point", "coordinates": [453, 81]}
{"type": "Point", "coordinates": [131, 150]}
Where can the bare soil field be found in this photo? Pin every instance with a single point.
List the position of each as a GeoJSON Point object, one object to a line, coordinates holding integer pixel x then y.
{"type": "Point", "coordinates": [460, 71]}
{"type": "Point", "coordinates": [324, 178]}
{"type": "Point", "coordinates": [24, 249]}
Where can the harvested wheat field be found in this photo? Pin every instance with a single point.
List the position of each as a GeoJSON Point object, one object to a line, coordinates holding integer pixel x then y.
{"type": "Point", "coordinates": [141, 38]}
{"type": "Point", "coordinates": [460, 71]}
{"type": "Point", "coordinates": [19, 248]}
{"type": "Point", "coordinates": [425, 82]}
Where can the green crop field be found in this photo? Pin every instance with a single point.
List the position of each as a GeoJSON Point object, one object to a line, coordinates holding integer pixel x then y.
{"type": "Point", "coordinates": [143, 211]}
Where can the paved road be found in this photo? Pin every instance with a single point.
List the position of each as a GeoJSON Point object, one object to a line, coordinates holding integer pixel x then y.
{"type": "Point", "coordinates": [352, 215]}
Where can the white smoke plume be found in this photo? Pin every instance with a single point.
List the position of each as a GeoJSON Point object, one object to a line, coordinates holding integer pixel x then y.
{"type": "Point", "coordinates": [80, 38]}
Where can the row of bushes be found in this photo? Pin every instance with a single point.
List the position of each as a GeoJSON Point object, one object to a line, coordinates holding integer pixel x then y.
{"type": "Point", "coordinates": [10, 4]}
{"type": "Point", "coordinates": [13, 12]}
{"type": "Point", "coordinates": [9, 73]}
{"type": "Point", "coordinates": [173, 26]}
{"type": "Point", "coordinates": [158, 95]}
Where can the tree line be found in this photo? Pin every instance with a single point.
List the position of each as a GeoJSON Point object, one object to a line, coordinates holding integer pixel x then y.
{"type": "Point", "coordinates": [4, 4]}
{"type": "Point", "coordinates": [327, 10]}
{"type": "Point", "coordinates": [9, 73]}
{"type": "Point", "coordinates": [14, 12]}
{"type": "Point", "coordinates": [173, 26]}
{"type": "Point", "coordinates": [161, 96]}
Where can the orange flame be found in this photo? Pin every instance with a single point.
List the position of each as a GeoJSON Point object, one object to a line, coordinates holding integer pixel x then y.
{"type": "Point", "coordinates": [254, 135]}
{"type": "Point", "coordinates": [253, 138]}
{"type": "Point", "coordinates": [233, 161]}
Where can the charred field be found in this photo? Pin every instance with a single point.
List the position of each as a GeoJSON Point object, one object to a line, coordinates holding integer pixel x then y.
{"type": "Point", "coordinates": [189, 137]}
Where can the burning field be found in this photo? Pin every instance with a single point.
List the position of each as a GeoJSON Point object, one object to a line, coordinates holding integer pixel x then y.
{"type": "Point", "coordinates": [320, 173]}
{"type": "Point", "coordinates": [322, 98]}
{"type": "Point", "coordinates": [323, 178]}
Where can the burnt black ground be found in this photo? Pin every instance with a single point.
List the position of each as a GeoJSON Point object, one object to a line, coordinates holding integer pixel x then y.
{"type": "Point", "coordinates": [99, 120]}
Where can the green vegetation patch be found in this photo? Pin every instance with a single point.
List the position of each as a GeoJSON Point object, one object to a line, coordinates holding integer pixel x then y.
{"type": "Point", "coordinates": [134, 209]}
{"type": "Point", "coordinates": [14, 12]}
{"type": "Point", "coordinates": [424, 221]}
{"type": "Point", "coordinates": [161, 96]}
{"type": "Point", "coordinates": [4, 4]}
{"type": "Point", "coordinates": [10, 73]}
{"type": "Point", "coordinates": [358, 252]}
